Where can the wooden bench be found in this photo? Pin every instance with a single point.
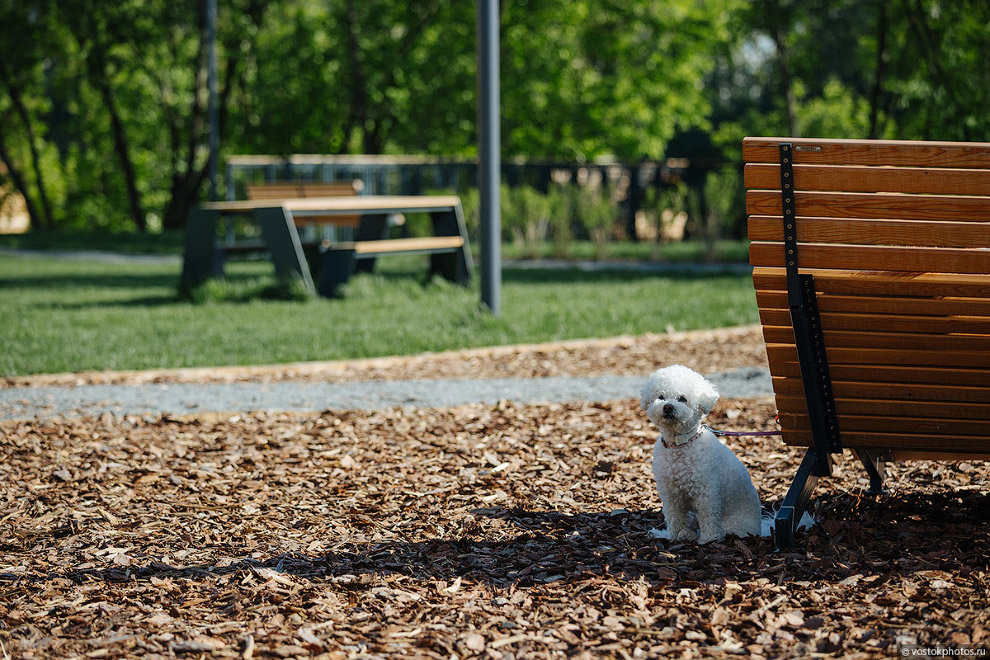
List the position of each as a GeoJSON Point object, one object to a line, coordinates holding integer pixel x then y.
{"type": "Point", "coordinates": [872, 271]}
{"type": "Point", "coordinates": [333, 263]}
{"type": "Point", "coordinates": [305, 189]}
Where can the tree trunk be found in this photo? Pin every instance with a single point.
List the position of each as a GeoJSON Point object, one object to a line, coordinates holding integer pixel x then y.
{"type": "Point", "coordinates": [917, 17]}
{"type": "Point", "coordinates": [124, 155]}
{"type": "Point", "coordinates": [98, 70]}
{"type": "Point", "coordinates": [787, 88]}
{"type": "Point", "coordinates": [187, 184]}
{"type": "Point", "coordinates": [21, 184]}
{"type": "Point", "coordinates": [358, 115]}
{"type": "Point", "coordinates": [880, 69]}
{"type": "Point", "coordinates": [25, 117]}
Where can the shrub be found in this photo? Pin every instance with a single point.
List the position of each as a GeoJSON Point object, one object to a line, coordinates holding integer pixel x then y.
{"type": "Point", "coordinates": [596, 213]}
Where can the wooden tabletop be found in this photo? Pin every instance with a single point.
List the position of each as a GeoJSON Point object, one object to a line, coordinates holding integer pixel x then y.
{"type": "Point", "coordinates": [344, 204]}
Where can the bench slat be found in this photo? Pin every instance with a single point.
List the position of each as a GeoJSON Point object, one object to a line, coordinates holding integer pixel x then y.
{"type": "Point", "coordinates": [344, 204]}
{"type": "Point", "coordinates": [942, 233]}
{"type": "Point", "coordinates": [931, 325]}
{"type": "Point", "coordinates": [904, 441]}
{"type": "Point", "coordinates": [890, 408]}
{"type": "Point", "coordinates": [880, 283]}
{"type": "Point", "coordinates": [295, 189]}
{"type": "Point", "coordinates": [979, 427]}
{"type": "Point", "coordinates": [869, 205]}
{"type": "Point", "coordinates": [887, 349]}
{"type": "Point", "coordinates": [897, 237]}
{"type": "Point", "coordinates": [894, 374]}
{"type": "Point", "coordinates": [403, 245]}
{"type": "Point", "coordinates": [844, 178]}
{"type": "Point", "coordinates": [898, 391]}
{"type": "Point", "coordinates": [303, 189]}
{"type": "Point", "coordinates": [954, 155]}
{"type": "Point", "coordinates": [331, 189]}
{"type": "Point", "coordinates": [918, 306]}
{"type": "Point", "coordinates": [273, 191]}
{"type": "Point", "coordinates": [862, 257]}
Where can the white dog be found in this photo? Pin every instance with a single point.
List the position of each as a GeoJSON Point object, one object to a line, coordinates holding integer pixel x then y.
{"type": "Point", "coordinates": [695, 473]}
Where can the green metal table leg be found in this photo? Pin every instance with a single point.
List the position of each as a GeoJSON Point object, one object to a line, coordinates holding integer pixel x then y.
{"type": "Point", "coordinates": [279, 232]}
{"type": "Point", "coordinates": [200, 260]}
{"type": "Point", "coordinates": [453, 266]}
{"type": "Point", "coordinates": [336, 267]}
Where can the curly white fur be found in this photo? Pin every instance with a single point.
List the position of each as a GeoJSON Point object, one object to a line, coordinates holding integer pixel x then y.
{"type": "Point", "coordinates": [706, 490]}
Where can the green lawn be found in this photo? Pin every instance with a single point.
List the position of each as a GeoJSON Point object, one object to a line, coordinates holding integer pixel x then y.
{"type": "Point", "coordinates": [170, 242]}
{"type": "Point", "coordinates": [80, 315]}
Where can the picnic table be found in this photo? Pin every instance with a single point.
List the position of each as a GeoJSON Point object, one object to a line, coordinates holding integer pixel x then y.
{"type": "Point", "coordinates": [332, 263]}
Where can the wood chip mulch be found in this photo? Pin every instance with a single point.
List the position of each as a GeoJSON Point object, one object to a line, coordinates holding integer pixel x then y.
{"type": "Point", "coordinates": [706, 351]}
{"type": "Point", "coordinates": [476, 532]}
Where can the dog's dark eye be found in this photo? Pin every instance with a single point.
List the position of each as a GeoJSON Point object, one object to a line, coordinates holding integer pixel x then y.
{"type": "Point", "coordinates": [661, 397]}
{"type": "Point", "coordinates": [682, 399]}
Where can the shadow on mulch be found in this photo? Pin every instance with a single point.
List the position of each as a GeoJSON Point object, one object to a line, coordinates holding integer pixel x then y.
{"type": "Point", "coordinates": [895, 535]}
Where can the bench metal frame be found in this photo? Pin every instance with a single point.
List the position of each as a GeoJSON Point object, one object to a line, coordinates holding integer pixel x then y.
{"type": "Point", "coordinates": [813, 360]}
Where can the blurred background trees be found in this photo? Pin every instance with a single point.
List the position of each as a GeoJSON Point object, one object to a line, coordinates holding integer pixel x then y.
{"type": "Point", "coordinates": [103, 105]}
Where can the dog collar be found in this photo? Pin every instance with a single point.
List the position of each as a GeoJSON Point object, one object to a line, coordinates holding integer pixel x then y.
{"type": "Point", "coordinates": [681, 440]}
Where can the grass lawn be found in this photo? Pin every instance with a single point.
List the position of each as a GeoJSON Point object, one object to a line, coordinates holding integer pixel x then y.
{"type": "Point", "coordinates": [81, 315]}
{"type": "Point", "coordinates": [170, 242]}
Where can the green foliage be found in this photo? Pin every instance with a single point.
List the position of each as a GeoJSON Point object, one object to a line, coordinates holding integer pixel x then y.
{"type": "Point", "coordinates": [596, 212]}
{"type": "Point", "coordinates": [103, 116]}
{"type": "Point", "coordinates": [907, 70]}
{"type": "Point", "coordinates": [561, 220]}
{"type": "Point", "coordinates": [717, 207]}
{"type": "Point", "coordinates": [585, 78]}
{"type": "Point", "coordinates": [529, 220]}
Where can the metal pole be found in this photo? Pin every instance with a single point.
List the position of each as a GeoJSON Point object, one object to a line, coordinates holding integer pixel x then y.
{"type": "Point", "coordinates": [211, 84]}
{"type": "Point", "coordinates": [489, 140]}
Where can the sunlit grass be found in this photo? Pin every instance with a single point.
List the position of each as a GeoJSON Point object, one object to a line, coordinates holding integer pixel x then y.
{"type": "Point", "coordinates": [81, 315]}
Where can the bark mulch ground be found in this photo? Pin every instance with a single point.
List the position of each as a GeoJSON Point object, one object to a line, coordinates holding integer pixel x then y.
{"type": "Point", "coordinates": [706, 351]}
{"type": "Point", "coordinates": [481, 531]}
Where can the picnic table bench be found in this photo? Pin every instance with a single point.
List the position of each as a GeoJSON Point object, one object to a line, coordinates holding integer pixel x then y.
{"type": "Point", "coordinates": [301, 189]}
{"type": "Point", "coordinates": [872, 271]}
{"type": "Point", "coordinates": [332, 263]}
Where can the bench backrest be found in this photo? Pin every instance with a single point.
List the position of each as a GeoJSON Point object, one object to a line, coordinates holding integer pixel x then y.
{"type": "Point", "coordinates": [294, 189]}
{"type": "Point", "coordinates": [897, 236]}
{"type": "Point", "coordinates": [297, 189]}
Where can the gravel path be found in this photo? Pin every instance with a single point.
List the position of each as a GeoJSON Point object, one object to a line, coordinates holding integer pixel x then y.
{"type": "Point", "coordinates": [188, 398]}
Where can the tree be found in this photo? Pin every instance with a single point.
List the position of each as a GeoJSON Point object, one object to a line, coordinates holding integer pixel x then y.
{"type": "Point", "coordinates": [103, 105]}
{"type": "Point", "coordinates": [147, 59]}
{"type": "Point", "coordinates": [22, 76]}
{"type": "Point", "coordinates": [583, 79]}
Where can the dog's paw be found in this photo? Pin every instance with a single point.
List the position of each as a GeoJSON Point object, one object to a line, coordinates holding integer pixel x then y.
{"type": "Point", "coordinates": [684, 535]}
{"type": "Point", "coordinates": [704, 539]}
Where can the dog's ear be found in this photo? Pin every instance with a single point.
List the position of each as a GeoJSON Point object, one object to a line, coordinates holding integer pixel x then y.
{"type": "Point", "coordinates": [707, 399]}
{"type": "Point", "coordinates": [646, 396]}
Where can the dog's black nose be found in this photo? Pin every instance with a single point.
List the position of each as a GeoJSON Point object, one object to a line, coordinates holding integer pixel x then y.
{"type": "Point", "coordinates": [667, 409]}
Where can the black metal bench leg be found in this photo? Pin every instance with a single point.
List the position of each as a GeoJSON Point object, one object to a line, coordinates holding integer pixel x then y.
{"type": "Point", "coordinates": [796, 501]}
{"type": "Point", "coordinates": [201, 259]}
{"type": "Point", "coordinates": [282, 240]}
{"type": "Point", "coordinates": [454, 266]}
{"type": "Point", "coordinates": [451, 266]}
{"type": "Point", "coordinates": [874, 462]}
{"type": "Point", "coordinates": [336, 267]}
